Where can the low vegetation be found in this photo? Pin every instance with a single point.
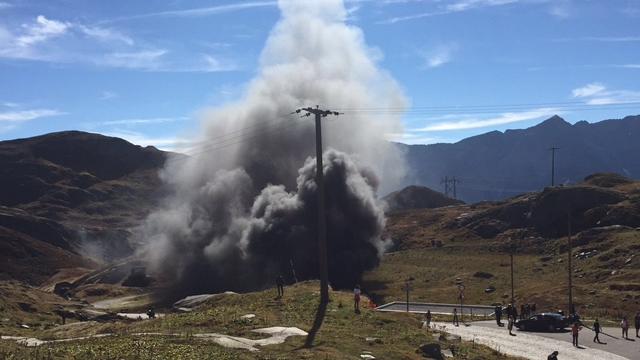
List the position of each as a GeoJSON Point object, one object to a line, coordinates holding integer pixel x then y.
{"type": "Point", "coordinates": [344, 334]}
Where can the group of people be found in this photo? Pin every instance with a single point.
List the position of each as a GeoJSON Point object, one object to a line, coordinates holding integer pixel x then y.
{"type": "Point", "coordinates": [526, 310]}
{"type": "Point", "coordinates": [512, 314]}
{"type": "Point", "coordinates": [597, 329]}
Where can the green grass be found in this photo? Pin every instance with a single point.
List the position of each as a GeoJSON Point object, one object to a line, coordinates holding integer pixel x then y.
{"type": "Point", "coordinates": [536, 279]}
{"type": "Point", "coordinates": [342, 336]}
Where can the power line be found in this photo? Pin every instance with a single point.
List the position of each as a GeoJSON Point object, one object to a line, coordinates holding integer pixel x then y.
{"type": "Point", "coordinates": [241, 139]}
{"type": "Point", "coordinates": [481, 107]}
{"type": "Point", "coordinates": [238, 138]}
{"type": "Point", "coordinates": [239, 133]}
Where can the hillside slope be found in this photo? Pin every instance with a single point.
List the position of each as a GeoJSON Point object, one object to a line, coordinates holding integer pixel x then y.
{"type": "Point", "coordinates": [498, 165]}
{"type": "Point", "coordinates": [603, 213]}
{"type": "Point", "coordinates": [71, 195]}
{"type": "Point", "coordinates": [418, 197]}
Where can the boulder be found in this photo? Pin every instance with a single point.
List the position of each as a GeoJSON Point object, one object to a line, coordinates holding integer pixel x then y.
{"type": "Point", "coordinates": [430, 351]}
{"type": "Point", "coordinates": [483, 275]}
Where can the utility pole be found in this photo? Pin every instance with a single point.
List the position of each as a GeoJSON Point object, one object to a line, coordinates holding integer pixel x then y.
{"type": "Point", "coordinates": [454, 181]}
{"type": "Point", "coordinates": [461, 298]}
{"type": "Point", "coordinates": [553, 165]}
{"type": "Point", "coordinates": [513, 249]}
{"type": "Point", "coordinates": [445, 181]}
{"type": "Point", "coordinates": [570, 265]}
{"type": "Point", "coordinates": [407, 289]}
{"type": "Point", "coordinates": [322, 218]}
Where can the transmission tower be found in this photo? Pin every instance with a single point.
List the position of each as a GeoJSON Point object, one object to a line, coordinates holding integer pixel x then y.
{"type": "Point", "coordinates": [553, 165]}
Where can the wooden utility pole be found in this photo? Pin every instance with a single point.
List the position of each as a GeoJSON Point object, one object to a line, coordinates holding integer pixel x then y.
{"type": "Point", "coordinates": [553, 165]}
{"type": "Point", "coordinates": [570, 264]}
{"type": "Point", "coordinates": [513, 248]}
{"type": "Point", "coordinates": [322, 218]}
{"type": "Point", "coordinates": [461, 298]}
{"type": "Point", "coordinates": [407, 288]}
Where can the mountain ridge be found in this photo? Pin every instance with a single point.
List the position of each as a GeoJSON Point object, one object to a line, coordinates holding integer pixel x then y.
{"type": "Point", "coordinates": [70, 199]}
{"type": "Point", "coordinates": [497, 165]}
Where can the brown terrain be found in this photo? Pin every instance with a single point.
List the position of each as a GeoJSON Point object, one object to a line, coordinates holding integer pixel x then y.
{"type": "Point", "coordinates": [69, 200]}
{"type": "Point", "coordinates": [436, 248]}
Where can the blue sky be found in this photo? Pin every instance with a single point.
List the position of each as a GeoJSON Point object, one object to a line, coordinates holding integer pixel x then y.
{"type": "Point", "coordinates": [144, 69]}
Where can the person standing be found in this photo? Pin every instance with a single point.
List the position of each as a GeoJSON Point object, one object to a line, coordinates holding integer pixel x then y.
{"type": "Point", "coordinates": [575, 330]}
{"type": "Point", "coordinates": [596, 329]}
{"type": "Point", "coordinates": [624, 324]}
{"type": "Point", "coordinates": [455, 317]}
{"type": "Point", "coordinates": [427, 319]}
{"type": "Point", "coordinates": [636, 321]}
{"type": "Point", "coordinates": [151, 313]}
{"type": "Point", "coordinates": [280, 284]}
{"type": "Point", "coordinates": [356, 299]}
{"type": "Point", "coordinates": [510, 322]}
{"type": "Point", "coordinates": [498, 312]}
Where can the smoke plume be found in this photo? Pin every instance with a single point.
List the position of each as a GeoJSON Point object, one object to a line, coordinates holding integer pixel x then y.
{"type": "Point", "coordinates": [244, 210]}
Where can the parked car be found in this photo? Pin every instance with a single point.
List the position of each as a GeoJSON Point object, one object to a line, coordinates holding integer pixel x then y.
{"type": "Point", "coordinates": [544, 322]}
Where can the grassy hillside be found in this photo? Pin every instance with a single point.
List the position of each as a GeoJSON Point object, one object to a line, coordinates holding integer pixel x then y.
{"type": "Point", "coordinates": [477, 240]}
{"type": "Point", "coordinates": [70, 199]}
{"type": "Point", "coordinates": [343, 334]}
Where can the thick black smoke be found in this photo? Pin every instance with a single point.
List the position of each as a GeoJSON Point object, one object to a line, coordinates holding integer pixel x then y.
{"type": "Point", "coordinates": [226, 251]}
{"type": "Point", "coordinates": [240, 215]}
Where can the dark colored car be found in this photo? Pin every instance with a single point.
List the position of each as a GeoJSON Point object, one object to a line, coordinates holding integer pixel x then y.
{"type": "Point", "coordinates": [543, 322]}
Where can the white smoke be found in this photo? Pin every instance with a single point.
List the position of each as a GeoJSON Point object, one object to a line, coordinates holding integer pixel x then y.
{"type": "Point", "coordinates": [254, 174]}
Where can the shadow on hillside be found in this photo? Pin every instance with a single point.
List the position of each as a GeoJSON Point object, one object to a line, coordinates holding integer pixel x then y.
{"type": "Point", "coordinates": [317, 323]}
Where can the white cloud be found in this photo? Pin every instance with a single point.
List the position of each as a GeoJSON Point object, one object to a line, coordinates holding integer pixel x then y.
{"type": "Point", "coordinates": [201, 11]}
{"type": "Point", "coordinates": [479, 122]}
{"type": "Point", "coordinates": [36, 42]}
{"type": "Point", "coordinates": [42, 30]}
{"type": "Point", "coordinates": [158, 60]}
{"type": "Point", "coordinates": [39, 41]}
{"type": "Point", "coordinates": [106, 35]}
{"type": "Point", "coordinates": [213, 64]}
{"type": "Point", "coordinates": [454, 7]}
{"type": "Point", "coordinates": [108, 95]}
{"type": "Point", "coordinates": [614, 39]}
{"type": "Point", "coordinates": [560, 11]}
{"type": "Point", "coordinates": [144, 121]}
{"type": "Point", "coordinates": [464, 5]}
{"type": "Point", "coordinates": [412, 138]}
{"type": "Point", "coordinates": [631, 11]}
{"type": "Point", "coordinates": [588, 90]}
{"type": "Point", "coordinates": [164, 143]}
{"type": "Point", "coordinates": [145, 59]}
{"type": "Point", "coordinates": [26, 115]}
{"type": "Point", "coordinates": [598, 94]}
{"type": "Point", "coordinates": [439, 56]}
{"type": "Point", "coordinates": [5, 5]}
